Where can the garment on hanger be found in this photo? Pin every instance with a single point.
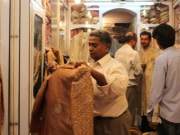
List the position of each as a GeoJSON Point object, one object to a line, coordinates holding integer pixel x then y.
{"type": "Point", "coordinates": [53, 58]}
{"type": "Point", "coordinates": [37, 71]}
{"type": "Point", "coordinates": [64, 104]}
{"type": "Point", "coordinates": [79, 49]}
{"type": "Point", "coordinates": [1, 102]}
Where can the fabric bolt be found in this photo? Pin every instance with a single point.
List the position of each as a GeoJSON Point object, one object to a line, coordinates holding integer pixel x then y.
{"type": "Point", "coordinates": [64, 104]}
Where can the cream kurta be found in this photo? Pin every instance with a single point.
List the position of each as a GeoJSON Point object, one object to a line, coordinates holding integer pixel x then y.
{"type": "Point", "coordinates": [148, 58]}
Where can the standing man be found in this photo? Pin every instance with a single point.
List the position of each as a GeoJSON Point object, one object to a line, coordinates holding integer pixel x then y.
{"type": "Point", "coordinates": [110, 81]}
{"type": "Point", "coordinates": [165, 83]}
{"type": "Point", "coordinates": [131, 60]}
{"type": "Point", "coordinates": [148, 55]}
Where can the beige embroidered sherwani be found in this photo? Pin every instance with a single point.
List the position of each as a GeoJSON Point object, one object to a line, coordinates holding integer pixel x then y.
{"type": "Point", "coordinates": [148, 59]}
{"type": "Point", "coordinates": [64, 104]}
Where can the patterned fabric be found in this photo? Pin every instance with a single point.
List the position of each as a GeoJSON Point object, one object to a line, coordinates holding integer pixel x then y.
{"type": "Point", "coordinates": [64, 104]}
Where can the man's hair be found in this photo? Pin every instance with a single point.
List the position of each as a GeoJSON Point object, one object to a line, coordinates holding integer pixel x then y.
{"type": "Point", "coordinates": [103, 36]}
{"type": "Point", "coordinates": [165, 35]}
{"type": "Point", "coordinates": [146, 33]}
{"type": "Point", "coordinates": [130, 36]}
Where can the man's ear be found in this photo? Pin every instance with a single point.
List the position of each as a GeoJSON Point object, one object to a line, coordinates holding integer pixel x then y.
{"type": "Point", "coordinates": [105, 47]}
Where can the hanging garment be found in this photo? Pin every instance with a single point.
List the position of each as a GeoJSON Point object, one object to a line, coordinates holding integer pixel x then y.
{"type": "Point", "coordinates": [79, 49]}
{"type": "Point", "coordinates": [1, 103]}
{"type": "Point", "coordinates": [64, 104]}
{"type": "Point", "coordinates": [53, 58]}
{"type": "Point", "coordinates": [37, 71]}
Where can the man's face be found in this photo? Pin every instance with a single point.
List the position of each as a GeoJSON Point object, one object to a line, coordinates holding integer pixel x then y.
{"type": "Point", "coordinates": [96, 48]}
{"type": "Point", "coordinates": [145, 41]}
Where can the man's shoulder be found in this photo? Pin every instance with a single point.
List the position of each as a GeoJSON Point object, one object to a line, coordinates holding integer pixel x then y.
{"type": "Point", "coordinates": [163, 56]}
{"type": "Point", "coordinates": [113, 61]}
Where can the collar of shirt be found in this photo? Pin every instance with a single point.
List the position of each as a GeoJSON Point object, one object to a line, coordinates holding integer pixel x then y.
{"type": "Point", "coordinates": [101, 62]}
{"type": "Point", "coordinates": [128, 46]}
{"type": "Point", "coordinates": [104, 59]}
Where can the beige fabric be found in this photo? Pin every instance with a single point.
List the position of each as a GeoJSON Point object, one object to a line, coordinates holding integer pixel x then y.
{"type": "Point", "coordinates": [1, 103]}
{"type": "Point", "coordinates": [64, 104]}
{"type": "Point", "coordinates": [79, 48]}
{"type": "Point", "coordinates": [148, 58]}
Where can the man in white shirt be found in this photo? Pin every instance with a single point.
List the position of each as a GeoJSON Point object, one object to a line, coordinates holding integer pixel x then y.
{"type": "Point", "coordinates": [110, 81]}
{"type": "Point", "coordinates": [165, 89]}
{"type": "Point", "coordinates": [131, 60]}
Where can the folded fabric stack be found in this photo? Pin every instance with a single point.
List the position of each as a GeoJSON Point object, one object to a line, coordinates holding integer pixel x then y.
{"type": "Point", "coordinates": [94, 19]}
{"type": "Point", "coordinates": [158, 13]}
{"type": "Point", "coordinates": [144, 17]}
{"type": "Point", "coordinates": [79, 14]}
{"type": "Point", "coordinates": [164, 13]}
{"type": "Point", "coordinates": [153, 16]}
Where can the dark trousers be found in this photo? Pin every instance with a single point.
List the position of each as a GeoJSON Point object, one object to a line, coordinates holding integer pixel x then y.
{"type": "Point", "coordinates": [168, 128]}
{"type": "Point", "coordinates": [134, 102]}
{"type": "Point", "coordinates": [113, 126]}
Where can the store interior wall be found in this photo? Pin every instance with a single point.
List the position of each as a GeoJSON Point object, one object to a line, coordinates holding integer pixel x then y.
{"type": "Point", "coordinates": [4, 55]}
{"type": "Point", "coordinates": [109, 13]}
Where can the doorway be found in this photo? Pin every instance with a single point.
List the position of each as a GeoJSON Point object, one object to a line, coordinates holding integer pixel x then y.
{"type": "Point", "coordinates": [119, 21]}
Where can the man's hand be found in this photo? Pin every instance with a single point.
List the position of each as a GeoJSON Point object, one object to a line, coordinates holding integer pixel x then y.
{"type": "Point", "coordinates": [99, 77]}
